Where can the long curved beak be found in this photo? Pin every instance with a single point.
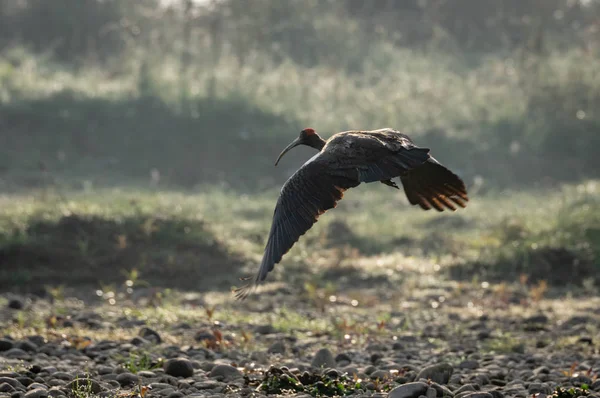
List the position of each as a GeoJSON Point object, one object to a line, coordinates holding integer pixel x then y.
{"type": "Point", "coordinates": [294, 143]}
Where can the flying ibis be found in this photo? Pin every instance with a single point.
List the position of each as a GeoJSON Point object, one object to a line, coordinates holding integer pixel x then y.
{"type": "Point", "coordinates": [344, 161]}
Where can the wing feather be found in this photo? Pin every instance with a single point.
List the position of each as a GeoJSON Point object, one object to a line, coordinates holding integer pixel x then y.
{"type": "Point", "coordinates": [433, 185]}
{"type": "Point", "coordinates": [310, 192]}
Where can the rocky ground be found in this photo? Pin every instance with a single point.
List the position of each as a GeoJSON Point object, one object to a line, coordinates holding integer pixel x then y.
{"type": "Point", "coordinates": [436, 340]}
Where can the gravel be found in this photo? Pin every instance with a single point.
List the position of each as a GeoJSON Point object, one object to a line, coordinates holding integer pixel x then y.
{"type": "Point", "coordinates": [421, 353]}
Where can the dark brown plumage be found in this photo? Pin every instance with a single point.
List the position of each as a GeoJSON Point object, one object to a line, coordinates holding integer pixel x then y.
{"type": "Point", "coordinates": [343, 162]}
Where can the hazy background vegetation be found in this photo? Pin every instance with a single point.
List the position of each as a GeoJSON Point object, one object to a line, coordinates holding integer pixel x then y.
{"type": "Point", "coordinates": [141, 135]}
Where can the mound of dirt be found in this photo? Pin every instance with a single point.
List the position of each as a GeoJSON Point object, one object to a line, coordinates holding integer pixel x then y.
{"type": "Point", "coordinates": [92, 250]}
{"type": "Point", "coordinates": [557, 266]}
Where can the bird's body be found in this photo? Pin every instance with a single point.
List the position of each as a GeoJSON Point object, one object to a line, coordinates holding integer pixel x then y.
{"type": "Point", "coordinates": [344, 161]}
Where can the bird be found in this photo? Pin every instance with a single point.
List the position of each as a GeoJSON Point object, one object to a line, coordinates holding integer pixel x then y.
{"type": "Point", "coordinates": [344, 161]}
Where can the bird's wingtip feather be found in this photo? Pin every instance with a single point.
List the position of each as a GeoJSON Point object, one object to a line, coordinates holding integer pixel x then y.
{"type": "Point", "coordinates": [241, 293]}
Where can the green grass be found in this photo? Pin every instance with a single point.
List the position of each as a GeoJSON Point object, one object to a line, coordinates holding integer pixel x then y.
{"type": "Point", "coordinates": [166, 237]}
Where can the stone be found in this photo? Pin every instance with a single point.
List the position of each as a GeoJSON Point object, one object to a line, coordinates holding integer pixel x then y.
{"type": "Point", "coordinates": [539, 318]}
{"type": "Point", "coordinates": [409, 390]}
{"type": "Point", "coordinates": [37, 340]}
{"type": "Point", "coordinates": [439, 373]}
{"type": "Point", "coordinates": [150, 335]}
{"type": "Point", "coordinates": [380, 374]}
{"type": "Point", "coordinates": [62, 376]}
{"type": "Point", "coordinates": [469, 364]}
{"type": "Point", "coordinates": [16, 304]}
{"type": "Point", "coordinates": [159, 386]}
{"type": "Point", "coordinates": [6, 345]}
{"type": "Point", "coordinates": [323, 359]}
{"type": "Point", "coordinates": [139, 341]}
{"type": "Point", "coordinates": [265, 329]}
{"type": "Point", "coordinates": [225, 372]}
{"type": "Point", "coordinates": [179, 367]}
{"type": "Point", "coordinates": [277, 348]}
{"type": "Point", "coordinates": [16, 353]}
{"type": "Point", "coordinates": [442, 391]}
{"type": "Point", "coordinates": [466, 388]}
{"type": "Point", "coordinates": [5, 387]}
{"type": "Point", "coordinates": [343, 357]}
{"type": "Point", "coordinates": [146, 373]}
{"type": "Point", "coordinates": [104, 370]}
{"type": "Point", "coordinates": [204, 335]}
{"type": "Point", "coordinates": [27, 346]}
{"type": "Point", "coordinates": [127, 379]}
{"type": "Point", "coordinates": [36, 393]}
{"type": "Point", "coordinates": [11, 381]}
{"type": "Point", "coordinates": [478, 395]}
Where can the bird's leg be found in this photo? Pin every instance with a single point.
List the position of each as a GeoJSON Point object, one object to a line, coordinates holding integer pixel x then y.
{"type": "Point", "coordinates": [390, 183]}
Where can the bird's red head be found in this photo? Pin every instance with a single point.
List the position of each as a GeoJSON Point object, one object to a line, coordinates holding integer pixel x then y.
{"type": "Point", "coordinates": [307, 132]}
{"type": "Point", "coordinates": [307, 137]}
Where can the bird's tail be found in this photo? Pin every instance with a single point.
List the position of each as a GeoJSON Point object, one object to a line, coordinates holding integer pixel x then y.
{"type": "Point", "coordinates": [434, 186]}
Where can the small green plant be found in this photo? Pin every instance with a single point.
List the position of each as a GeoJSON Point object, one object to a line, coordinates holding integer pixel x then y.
{"type": "Point", "coordinates": [137, 362]}
{"type": "Point", "coordinates": [562, 392]}
{"type": "Point", "coordinates": [82, 388]}
{"type": "Point", "coordinates": [331, 384]}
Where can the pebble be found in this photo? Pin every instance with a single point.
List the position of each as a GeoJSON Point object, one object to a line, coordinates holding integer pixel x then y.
{"type": "Point", "coordinates": [27, 346]}
{"type": "Point", "coordinates": [36, 393]}
{"type": "Point", "coordinates": [203, 335]}
{"type": "Point", "coordinates": [6, 345]}
{"type": "Point", "coordinates": [277, 348]}
{"type": "Point", "coordinates": [159, 386]}
{"type": "Point", "coordinates": [323, 359]}
{"type": "Point", "coordinates": [225, 372]}
{"type": "Point", "coordinates": [478, 395]}
{"type": "Point", "coordinates": [466, 387]}
{"type": "Point", "coordinates": [380, 374]}
{"type": "Point", "coordinates": [5, 387]}
{"type": "Point", "coordinates": [150, 335]}
{"type": "Point", "coordinates": [179, 367]}
{"type": "Point", "coordinates": [16, 353]}
{"type": "Point", "coordinates": [265, 329]}
{"type": "Point", "coordinates": [16, 304]}
{"type": "Point", "coordinates": [11, 381]}
{"type": "Point", "coordinates": [139, 341]}
{"type": "Point", "coordinates": [469, 364]}
{"type": "Point", "coordinates": [146, 373]}
{"type": "Point", "coordinates": [409, 390]}
{"type": "Point", "coordinates": [439, 373]}
{"type": "Point", "coordinates": [127, 379]}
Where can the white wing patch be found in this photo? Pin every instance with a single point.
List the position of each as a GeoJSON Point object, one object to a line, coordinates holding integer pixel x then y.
{"type": "Point", "coordinates": [311, 159]}
{"type": "Point", "coordinates": [296, 172]}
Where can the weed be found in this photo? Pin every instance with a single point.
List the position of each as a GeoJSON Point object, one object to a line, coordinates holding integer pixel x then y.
{"type": "Point", "coordinates": [281, 380]}
{"type": "Point", "coordinates": [82, 388]}
{"type": "Point", "coordinates": [572, 392]}
{"type": "Point", "coordinates": [139, 361]}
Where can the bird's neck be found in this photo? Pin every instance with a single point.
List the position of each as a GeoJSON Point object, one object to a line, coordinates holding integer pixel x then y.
{"type": "Point", "coordinates": [316, 142]}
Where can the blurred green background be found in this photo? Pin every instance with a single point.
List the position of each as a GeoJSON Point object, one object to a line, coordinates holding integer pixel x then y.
{"type": "Point", "coordinates": [138, 126]}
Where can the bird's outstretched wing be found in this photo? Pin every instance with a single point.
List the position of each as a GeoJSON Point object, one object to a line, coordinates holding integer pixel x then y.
{"type": "Point", "coordinates": [432, 185]}
{"type": "Point", "coordinates": [313, 189]}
